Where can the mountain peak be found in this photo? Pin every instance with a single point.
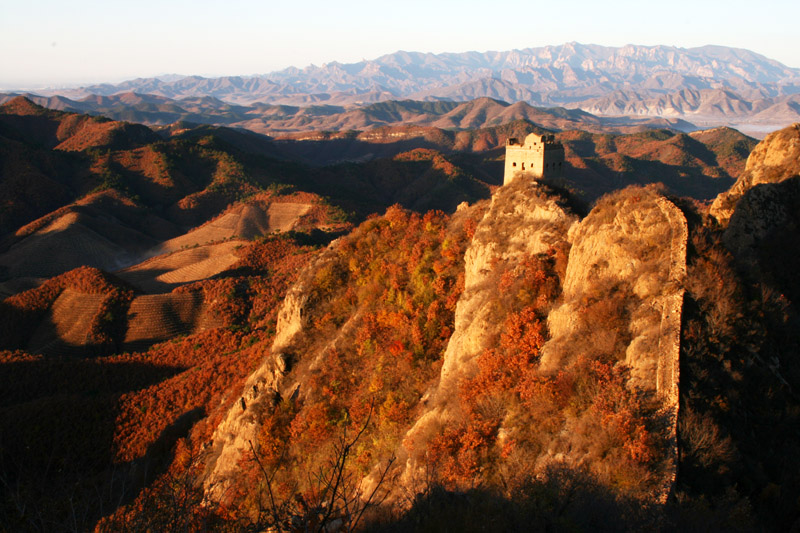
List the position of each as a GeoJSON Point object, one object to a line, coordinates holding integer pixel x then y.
{"type": "Point", "coordinates": [21, 105]}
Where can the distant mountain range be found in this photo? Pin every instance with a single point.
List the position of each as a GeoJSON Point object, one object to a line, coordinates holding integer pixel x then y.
{"type": "Point", "coordinates": [706, 85]}
{"type": "Point", "coordinates": [302, 122]}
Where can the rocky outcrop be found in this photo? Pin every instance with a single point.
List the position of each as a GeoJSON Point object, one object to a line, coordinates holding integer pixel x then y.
{"type": "Point", "coordinates": [633, 243]}
{"type": "Point", "coordinates": [630, 251]}
{"type": "Point", "coordinates": [763, 220]}
{"type": "Point", "coordinates": [773, 160]}
{"type": "Point", "coordinates": [233, 438]}
{"type": "Point", "coordinates": [522, 220]}
{"type": "Point", "coordinates": [632, 246]}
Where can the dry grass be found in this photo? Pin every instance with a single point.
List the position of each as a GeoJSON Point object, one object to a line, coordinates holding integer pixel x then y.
{"type": "Point", "coordinates": [159, 317]}
{"type": "Point", "coordinates": [163, 272]}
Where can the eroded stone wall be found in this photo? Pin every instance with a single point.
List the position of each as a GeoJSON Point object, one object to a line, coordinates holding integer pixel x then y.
{"type": "Point", "coordinates": [668, 376]}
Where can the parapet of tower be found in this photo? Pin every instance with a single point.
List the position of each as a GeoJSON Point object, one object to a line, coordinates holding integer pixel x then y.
{"type": "Point", "coordinates": [539, 156]}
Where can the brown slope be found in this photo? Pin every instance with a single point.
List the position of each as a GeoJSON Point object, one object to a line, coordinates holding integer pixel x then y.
{"type": "Point", "coordinates": [103, 230]}
{"type": "Point", "coordinates": [260, 215]}
{"type": "Point", "coordinates": [700, 166]}
{"type": "Point", "coordinates": [22, 314]}
{"type": "Point", "coordinates": [37, 176]}
{"type": "Point", "coordinates": [784, 111]}
{"type": "Point", "coordinates": [71, 240]}
{"type": "Point", "coordinates": [165, 272]}
{"type": "Point", "coordinates": [35, 181]}
{"type": "Point", "coordinates": [24, 120]}
{"type": "Point", "coordinates": [79, 132]}
{"type": "Point", "coordinates": [23, 106]}
{"type": "Point", "coordinates": [159, 317]}
{"type": "Point", "coordinates": [730, 146]}
{"type": "Point", "coordinates": [67, 328]}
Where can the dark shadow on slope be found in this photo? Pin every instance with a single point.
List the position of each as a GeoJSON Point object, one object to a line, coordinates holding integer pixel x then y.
{"type": "Point", "coordinates": [599, 177]}
{"type": "Point", "coordinates": [38, 378]}
{"type": "Point", "coordinates": [57, 439]}
{"type": "Point", "coordinates": [335, 151]}
{"type": "Point", "coordinates": [564, 500]}
{"type": "Point", "coordinates": [740, 377]}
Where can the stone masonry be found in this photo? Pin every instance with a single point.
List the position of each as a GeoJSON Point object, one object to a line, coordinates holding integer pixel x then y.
{"type": "Point", "coordinates": [538, 156]}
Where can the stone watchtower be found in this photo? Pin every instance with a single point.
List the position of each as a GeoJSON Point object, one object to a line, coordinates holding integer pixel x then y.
{"type": "Point", "coordinates": [539, 156]}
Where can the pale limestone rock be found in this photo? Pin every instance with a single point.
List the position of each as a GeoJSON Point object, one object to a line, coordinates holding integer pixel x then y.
{"type": "Point", "coordinates": [638, 244]}
{"type": "Point", "coordinates": [240, 427]}
{"type": "Point", "coordinates": [520, 222]}
{"type": "Point", "coordinates": [773, 160]}
{"type": "Point", "coordinates": [232, 439]}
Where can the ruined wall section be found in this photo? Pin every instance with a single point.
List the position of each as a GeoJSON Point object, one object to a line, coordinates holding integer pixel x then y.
{"type": "Point", "coordinates": [668, 376]}
{"type": "Point", "coordinates": [669, 348]}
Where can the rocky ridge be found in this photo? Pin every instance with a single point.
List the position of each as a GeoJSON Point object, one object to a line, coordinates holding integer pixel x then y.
{"type": "Point", "coordinates": [773, 160]}
{"type": "Point", "coordinates": [616, 254]}
{"type": "Point", "coordinates": [715, 84]}
{"type": "Point", "coordinates": [521, 221]}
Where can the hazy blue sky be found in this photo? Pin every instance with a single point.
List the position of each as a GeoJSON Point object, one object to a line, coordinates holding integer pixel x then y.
{"type": "Point", "coordinates": [46, 42]}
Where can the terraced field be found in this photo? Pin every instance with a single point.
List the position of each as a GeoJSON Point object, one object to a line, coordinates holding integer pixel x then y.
{"type": "Point", "coordinates": [66, 329]}
{"type": "Point", "coordinates": [245, 220]}
{"type": "Point", "coordinates": [164, 272]}
{"type": "Point", "coordinates": [155, 318]}
{"type": "Point", "coordinates": [66, 243]}
{"type": "Point", "coordinates": [284, 216]}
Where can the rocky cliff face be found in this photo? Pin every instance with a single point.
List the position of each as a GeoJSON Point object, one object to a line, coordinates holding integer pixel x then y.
{"type": "Point", "coordinates": [774, 160]}
{"type": "Point", "coordinates": [523, 220]}
{"type": "Point", "coordinates": [621, 306]}
{"type": "Point", "coordinates": [760, 212]}
{"type": "Point", "coordinates": [633, 244]}
{"type": "Point", "coordinates": [628, 259]}
{"type": "Point", "coordinates": [236, 434]}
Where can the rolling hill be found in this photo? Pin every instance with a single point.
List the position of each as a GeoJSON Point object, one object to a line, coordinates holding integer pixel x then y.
{"type": "Point", "coordinates": [283, 120]}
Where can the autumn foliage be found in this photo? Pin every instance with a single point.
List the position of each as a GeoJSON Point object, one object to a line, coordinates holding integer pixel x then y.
{"type": "Point", "coordinates": [387, 293]}
{"type": "Point", "coordinates": [496, 445]}
{"type": "Point", "coordinates": [116, 418]}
